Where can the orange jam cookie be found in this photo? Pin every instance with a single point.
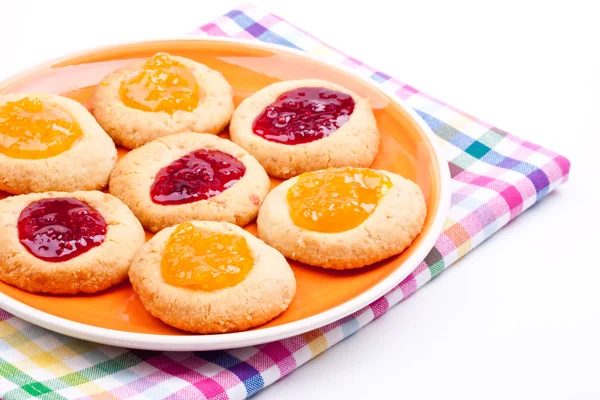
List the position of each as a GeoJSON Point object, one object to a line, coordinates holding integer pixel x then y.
{"type": "Point", "coordinates": [49, 142]}
{"type": "Point", "coordinates": [332, 201]}
{"type": "Point", "coordinates": [211, 277]}
{"type": "Point", "coordinates": [342, 218]}
{"type": "Point", "coordinates": [190, 176]}
{"type": "Point", "coordinates": [66, 243]}
{"type": "Point", "coordinates": [32, 130]}
{"type": "Point", "coordinates": [162, 84]}
{"type": "Point", "coordinates": [293, 127]}
{"type": "Point", "coordinates": [196, 258]}
{"type": "Point", "coordinates": [161, 96]}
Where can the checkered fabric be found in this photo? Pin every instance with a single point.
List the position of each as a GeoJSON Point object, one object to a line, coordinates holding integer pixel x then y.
{"type": "Point", "coordinates": [495, 177]}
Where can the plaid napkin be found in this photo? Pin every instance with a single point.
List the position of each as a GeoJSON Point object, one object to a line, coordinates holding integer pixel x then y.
{"type": "Point", "coordinates": [495, 177]}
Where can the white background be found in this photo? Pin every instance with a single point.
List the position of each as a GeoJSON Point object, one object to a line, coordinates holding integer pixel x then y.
{"type": "Point", "coordinates": [517, 318]}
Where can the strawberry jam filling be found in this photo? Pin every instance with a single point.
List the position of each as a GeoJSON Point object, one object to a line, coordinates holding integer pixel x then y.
{"type": "Point", "coordinates": [60, 229]}
{"type": "Point", "coordinates": [304, 115]}
{"type": "Point", "coordinates": [196, 176]}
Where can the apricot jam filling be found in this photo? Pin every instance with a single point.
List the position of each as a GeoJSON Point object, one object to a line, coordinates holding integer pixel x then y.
{"type": "Point", "coordinates": [304, 115]}
{"type": "Point", "coordinates": [32, 130]}
{"type": "Point", "coordinates": [60, 229]}
{"type": "Point", "coordinates": [336, 200]}
{"type": "Point", "coordinates": [199, 259]}
{"type": "Point", "coordinates": [162, 84]}
{"type": "Point", "coordinates": [196, 176]}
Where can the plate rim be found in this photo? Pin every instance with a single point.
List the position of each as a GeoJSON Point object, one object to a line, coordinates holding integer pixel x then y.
{"type": "Point", "coordinates": [160, 342]}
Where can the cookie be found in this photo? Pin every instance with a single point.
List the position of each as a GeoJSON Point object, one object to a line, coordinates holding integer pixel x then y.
{"type": "Point", "coordinates": [66, 243]}
{"type": "Point", "coordinates": [49, 142]}
{"type": "Point", "coordinates": [211, 277]}
{"type": "Point", "coordinates": [299, 126]}
{"type": "Point", "coordinates": [342, 218]}
{"type": "Point", "coordinates": [190, 176]}
{"type": "Point", "coordinates": [161, 96]}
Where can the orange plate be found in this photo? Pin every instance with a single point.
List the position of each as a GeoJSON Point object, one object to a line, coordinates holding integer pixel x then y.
{"type": "Point", "coordinates": [405, 149]}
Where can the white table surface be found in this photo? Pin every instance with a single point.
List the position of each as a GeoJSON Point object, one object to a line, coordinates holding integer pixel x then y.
{"type": "Point", "coordinates": [519, 317]}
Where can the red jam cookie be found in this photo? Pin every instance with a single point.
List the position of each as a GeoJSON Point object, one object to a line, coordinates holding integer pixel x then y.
{"type": "Point", "coordinates": [60, 229]}
{"type": "Point", "coordinates": [293, 127]}
{"type": "Point", "coordinates": [198, 175]}
{"type": "Point", "coordinates": [187, 177]}
{"type": "Point", "coordinates": [67, 243]}
{"type": "Point", "coordinates": [304, 115]}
